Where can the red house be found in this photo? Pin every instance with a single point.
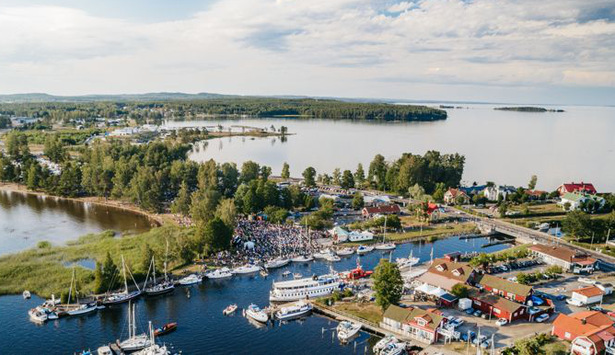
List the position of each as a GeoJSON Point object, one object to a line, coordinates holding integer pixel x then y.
{"type": "Point", "coordinates": [369, 212]}
{"type": "Point", "coordinates": [510, 290]}
{"type": "Point", "coordinates": [577, 187]}
{"type": "Point", "coordinates": [498, 307]}
{"type": "Point", "coordinates": [590, 332]}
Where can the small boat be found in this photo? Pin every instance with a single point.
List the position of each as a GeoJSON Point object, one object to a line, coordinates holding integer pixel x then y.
{"type": "Point", "coordinates": [123, 296]}
{"type": "Point", "coordinates": [393, 349]}
{"type": "Point", "coordinates": [264, 273]}
{"type": "Point", "coordinates": [407, 262]}
{"type": "Point", "coordinates": [105, 350]}
{"type": "Point", "coordinates": [190, 280]}
{"type": "Point", "coordinates": [82, 309]}
{"type": "Point", "coordinates": [221, 273]}
{"type": "Point", "coordinates": [26, 295]}
{"type": "Point", "coordinates": [346, 330]}
{"type": "Point", "coordinates": [297, 275]}
{"type": "Point", "coordinates": [382, 343]}
{"type": "Point", "coordinates": [86, 352]}
{"type": "Point", "coordinates": [276, 263]}
{"type": "Point", "coordinates": [386, 246]}
{"type": "Point", "coordinates": [246, 269]}
{"type": "Point", "coordinates": [302, 259]}
{"type": "Point", "coordinates": [331, 257]}
{"type": "Point", "coordinates": [230, 309]}
{"type": "Point", "coordinates": [286, 273]}
{"type": "Point", "coordinates": [345, 252]}
{"type": "Point", "coordinates": [37, 315]}
{"type": "Point", "coordinates": [52, 315]}
{"type": "Point", "coordinates": [364, 249]}
{"type": "Point", "coordinates": [165, 329]}
{"type": "Point", "coordinates": [297, 310]}
{"type": "Point", "coordinates": [321, 254]}
{"type": "Point", "coordinates": [256, 313]}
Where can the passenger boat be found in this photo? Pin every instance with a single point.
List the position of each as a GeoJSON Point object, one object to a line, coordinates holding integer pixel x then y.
{"type": "Point", "coordinates": [134, 341]}
{"type": "Point", "coordinates": [256, 313]}
{"type": "Point", "coordinates": [221, 273]}
{"type": "Point", "coordinates": [26, 295]}
{"type": "Point", "coordinates": [165, 329]}
{"type": "Point", "coordinates": [37, 315]}
{"type": "Point", "coordinates": [385, 246]}
{"type": "Point", "coordinates": [407, 262]}
{"type": "Point", "coordinates": [153, 348]}
{"type": "Point", "coordinates": [345, 252]}
{"type": "Point", "coordinates": [302, 259]}
{"type": "Point", "coordinates": [277, 263]}
{"type": "Point", "coordinates": [190, 280]}
{"type": "Point", "coordinates": [246, 269]}
{"type": "Point", "coordinates": [309, 287]}
{"type": "Point", "coordinates": [161, 288]}
{"type": "Point", "coordinates": [123, 296]}
{"type": "Point", "coordinates": [346, 330]}
{"type": "Point", "coordinates": [230, 309]}
{"type": "Point", "coordinates": [364, 249]}
{"type": "Point", "coordinates": [297, 310]}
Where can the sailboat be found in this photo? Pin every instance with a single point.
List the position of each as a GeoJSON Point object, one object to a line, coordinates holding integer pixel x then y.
{"type": "Point", "coordinates": [134, 342]}
{"type": "Point", "coordinates": [77, 309]}
{"type": "Point", "coordinates": [153, 348]}
{"type": "Point", "coordinates": [409, 261]}
{"type": "Point", "coordinates": [123, 296]}
{"type": "Point", "coordinates": [163, 287]}
{"type": "Point", "coordinates": [384, 245]}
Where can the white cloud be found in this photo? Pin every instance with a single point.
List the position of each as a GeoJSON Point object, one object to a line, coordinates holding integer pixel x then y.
{"type": "Point", "coordinates": [319, 47]}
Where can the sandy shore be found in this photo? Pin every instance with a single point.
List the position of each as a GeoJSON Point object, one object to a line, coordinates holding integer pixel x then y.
{"type": "Point", "coordinates": [159, 219]}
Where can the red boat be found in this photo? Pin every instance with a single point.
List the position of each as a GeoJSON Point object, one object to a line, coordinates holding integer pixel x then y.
{"type": "Point", "coordinates": [165, 329]}
{"type": "Point", "coordinates": [357, 273]}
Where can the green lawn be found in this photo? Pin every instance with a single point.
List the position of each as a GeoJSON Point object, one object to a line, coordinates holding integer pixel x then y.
{"type": "Point", "coordinates": [368, 311]}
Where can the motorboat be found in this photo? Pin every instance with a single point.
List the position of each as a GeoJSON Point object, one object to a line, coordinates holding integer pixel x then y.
{"type": "Point", "coordinates": [345, 252]}
{"type": "Point", "coordinates": [161, 288]}
{"type": "Point", "coordinates": [134, 341]}
{"type": "Point", "coordinates": [277, 263]}
{"type": "Point", "coordinates": [364, 249]}
{"type": "Point", "coordinates": [299, 309]}
{"type": "Point", "coordinates": [356, 273]}
{"type": "Point", "coordinates": [286, 273]}
{"type": "Point", "coordinates": [37, 315]}
{"type": "Point", "coordinates": [191, 279]}
{"type": "Point", "coordinates": [26, 295]}
{"type": "Point", "coordinates": [407, 262]}
{"type": "Point", "coordinates": [105, 350]}
{"type": "Point", "coordinates": [346, 330]}
{"type": "Point", "coordinates": [264, 273]}
{"type": "Point", "coordinates": [82, 309]}
{"type": "Point", "coordinates": [393, 348]}
{"type": "Point", "coordinates": [385, 246]}
{"type": "Point", "coordinates": [382, 343]}
{"type": "Point", "coordinates": [52, 315]}
{"type": "Point", "coordinates": [302, 259]}
{"type": "Point", "coordinates": [165, 329]}
{"type": "Point", "coordinates": [321, 254]}
{"type": "Point", "coordinates": [221, 273]}
{"type": "Point", "coordinates": [230, 309]}
{"type": "Point", "coordinates": [309, 287]}
{"type": "Point", "coordinates": [256, 313]}
{"type": "Point", "coordinates": [331, 257]}
{"type": "Point", "coordinates": [246, 269]}
{"type": "Point", "coordinates": [123, 296]}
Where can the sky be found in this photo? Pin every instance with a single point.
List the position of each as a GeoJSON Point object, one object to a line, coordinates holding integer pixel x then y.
{"type": "Point", "coordinates": [522, 51]}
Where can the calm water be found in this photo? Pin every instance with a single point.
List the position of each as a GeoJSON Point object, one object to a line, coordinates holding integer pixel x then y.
{"type": "Point", "coordinates": [26, 219]}
{"type": "Point", "coordinates": [202, 327]}
{"type": "Point", "coordinates": [502, 146]}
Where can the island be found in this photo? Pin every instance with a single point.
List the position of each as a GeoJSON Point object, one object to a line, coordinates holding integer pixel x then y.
{"type": "Point", "coordinates": [527, 109]}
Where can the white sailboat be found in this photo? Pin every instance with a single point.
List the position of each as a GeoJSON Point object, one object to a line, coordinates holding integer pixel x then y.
{"type": "Point", "coordinates": [163, 287]}
{"type": "Point", "coordinates": [384, 245]}
{"type": "Point", "coordinates": [407, 262]}
{"type": "Point", "coordinates": [134, 341]}
{"type": "Point", "coordinates": [123, 296]}
{"type": "Point", "coordinates": [153, 348]}
{"type": "Point", "coordinates": [77, 309]}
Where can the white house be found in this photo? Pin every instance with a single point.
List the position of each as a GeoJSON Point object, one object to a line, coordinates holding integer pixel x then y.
{"type": "Point", "coordinates": [575, 200]}
{"type": "Point", "coordinates": [606, 288]}
{"type": "Point", "coordinates": [492, 193]}
{"type": "Point", "coordinates": [587, 295]}
{"type": "Point", "coordinates": [355, 236]}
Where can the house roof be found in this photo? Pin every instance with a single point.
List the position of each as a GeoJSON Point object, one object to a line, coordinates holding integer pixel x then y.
{"type": "Point", "coordinates": [456, 192]}
{"type": "Point", "coordinates": [433, 317]}
{"type": "Point", "coordinates": [495, 301]}
{"type": "Point", "coordinates": [598, 327]}
{"type": "Point", "coordinates": [590, 291]}
{"type": "Point", "coordinates": [383, 209]}
{"type": "Point", "coordinates": [396, 313]}
{"type": "Point", "coordinates": [459, 271]}
{"type": "Point", "coordinates": [573, 196]}
{"type": "Point", "coordinates": [563, 253]}
{"type": "Point", "coordinates": [578, 186]}
{"type": "Point", "coordinates": [499, 283]}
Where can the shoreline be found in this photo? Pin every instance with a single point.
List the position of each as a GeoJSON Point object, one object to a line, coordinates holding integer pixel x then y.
{"type": "Point", "coordinates": [158, 219]}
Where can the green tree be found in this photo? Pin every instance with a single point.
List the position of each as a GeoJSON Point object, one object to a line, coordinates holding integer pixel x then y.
{"type": "Point", "coordinates": [337, 176]}
{"type": "Point", "coordinates": [416, 191]}
{"type": "Point", "coordinates": [359, 175]}
{"type": "Point", "coordinates": [203, 205]}
{"type": "Point", "coordinates": [377, 172]}
{"type": "Point", "coordinates": [110, 274]}
{"type": "Point", "coordinates": [276, 214]}
{"type": "Point", "coordinates": [388, 284]}
{"type": "Point", "coordinates": [532, 184]}
{"type": "Point", "coordinates": [309, 174]}
{"type": "Point", "coordinates": [249, 171]}
{"type": "Point", "coordinates": [347, 180]}
{"type": "Point", "coordinates": [285, 171]}
{"type": "Point", "coordinates": [460, 290]}
{"type": "Point", "coordinates": [99, 281]}
{"type": "Point", "coordinates": [227, 212]}
{"type": "Point", "coordinates": [357, 201]}
{"type": "Point", "coordinates": [214, 236]}
{"type": "Point", "coordinates": [54, 149]}
{"type": "Point", "coordinates": [181, 204]}
{"type": "Point", "coordinates": [147, 253]}
{"type": "Point", "coordinates": [577, 224]}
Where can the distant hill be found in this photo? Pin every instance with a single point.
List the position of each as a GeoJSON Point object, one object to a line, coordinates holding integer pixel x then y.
{"type": "Point", "coordinates": [156, 96]}
{"type": "Point", "coordinates": [527, 109]}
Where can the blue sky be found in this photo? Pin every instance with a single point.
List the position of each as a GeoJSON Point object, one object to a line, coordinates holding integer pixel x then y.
{"type": "Point", "coordinates": [522, 51]}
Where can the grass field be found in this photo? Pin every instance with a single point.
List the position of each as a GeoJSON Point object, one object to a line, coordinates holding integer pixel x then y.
{"type": "Point", "coordinates": [368, 311]}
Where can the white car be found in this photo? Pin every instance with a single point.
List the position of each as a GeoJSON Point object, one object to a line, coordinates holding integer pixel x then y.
{"type": "Point", "coordinates": [574, 302]}
{"type": "Point", "coordinates": [501, 322]}
{"type": "Point", "coordinates": [541, 318]}
{"type": "Point", "coordinates": [586, 280]}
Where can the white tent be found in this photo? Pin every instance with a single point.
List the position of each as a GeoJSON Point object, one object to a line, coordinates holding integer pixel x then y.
{"type": "Point", "coordinates": [248, 245]}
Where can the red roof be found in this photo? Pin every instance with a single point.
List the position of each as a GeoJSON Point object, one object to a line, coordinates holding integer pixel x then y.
{"type": "Point", "coordinates": [590, 291]}
{"type": "Point", "coordinates": [578, 186]}
{"type": "Point", "coordinates": [431, 207]}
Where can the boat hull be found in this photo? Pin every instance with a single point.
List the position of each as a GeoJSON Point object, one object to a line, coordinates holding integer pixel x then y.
{"type": "Point", "coordinates": [157, 292]}
{"type": "Point", "coordinates": [82, 311]}
{"type": "Point", "coordinates": [119, 299]}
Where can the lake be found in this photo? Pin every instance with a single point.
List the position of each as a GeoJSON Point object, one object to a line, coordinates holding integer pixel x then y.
{"type": "Point", "coordinates": [202, 329]}
{"type": "Point", "coordinates": [26, 219]}
{"type": "Point", "coordinates": [506, 147]}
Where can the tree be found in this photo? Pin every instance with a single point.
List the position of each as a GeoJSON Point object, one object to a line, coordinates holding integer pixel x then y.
{"type": "Point", "coordinates": [276, 214]}
{"type": "Point", "coordinates": [249, 171]}
{"type": "Point", "coordinates": [377, 172]}
{"type": "Point", "coordinates": [359, 175]}
{"type": "Point", "coordinates": [203, 205]}
{"type": "Point", "coordinates": [54, 149]}
{"type": "Point", "coordinates": [285, 171]}
{"type": "Point", "coordinates": [388, 284]}
{"type": "Point", "coordinates": [460, 290]}
{"type": "Point", "coordinates": [265, 172]}
{"type": "Point", "coordinates": [99, 281]}
{"type": "Point", "coordinates": [532, 184]}
{"type": "Point", "coordinates": [214, 236]}
{"type": "Point", "coordinates": [147, 253]}
{"type": "Point", "coordinates": [337, 176]}
{"type": "Point", "coordinates": [416, 191]}
{"type": "Point", "coordinates": [110, 275]}
{"type": "Point", "coordinates": [309, 174]}
{"type": "Point", "coordinates": [439, 192]}
{"type": "Point", "coordinates": [181, 204]}
{"type": "Point", "coordinates": [577, 224]}
{"type": "Point", "coordinates": [357, 201]}
{"type": "Point", "coordinates": [347, 180]}
{"type": "Point", "coordinates": [227, 212]}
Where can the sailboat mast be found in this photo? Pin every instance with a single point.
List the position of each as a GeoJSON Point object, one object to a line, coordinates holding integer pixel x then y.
{"type": "Point", "coordinates": [124, 273]}
{"type": "Point", "coordinates": [154, 266]}
{"type": "Point", "coordinates": [70, 289]}
{"type": "Point", "coordinates": [166, 254]}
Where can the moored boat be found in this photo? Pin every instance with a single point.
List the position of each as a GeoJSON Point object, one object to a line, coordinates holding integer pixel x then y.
{"type": "Point", "coordinates": [385, 246]}
{"type": "Point", "coordinates": [230, 309]}
{"type": "Point", "coordinates": [407, 262]}
{"type": "Point", "coordinates": [364, 249]}
{"type": "Point", "coordinates": [321, 254]}
{"type": "Point", "coordinates": [297, 310]}
{"type": "Point", "coordinates": [161, 288]}
{"type": "Point", "coordinates": [191, 279]}
{"type": "Point", "coordinates": [153, 348]}
{"type": "Point", "coordinates": [82, 309]}
{"type": "Point", "coordinates": [383, 343]}
{"type": "Point", "coordinates": [221, 273]}
{"type": "Point", "coordinates": [246, 269]}
{"type": "Point", "coordinates": [165, 329]}
{"type": "Point", "coordinates": [123, 296]}
{"type": "Point", "coordinates": [309, 287]}
{"type": "Point", "coordinates": [302, 259]}
{"type": "Point", "coordinates": [254, 312]}
{"type": "Point", "coordinates": [37, 315]}
{"type": "Point", "coordinates": [345, 252]}
{"type": "Point", "coordinates": [26, 295]}
{"type": "Point", "coordinates": [277, 263]}
{"type": "Point", "coordinates": [105, 350]}
{"type": "Point", "coordinates": [134, 341]}
{"type": "Point", "coordinates": [346, 330]}
{"type": "Point", "coordinates": [331, 257]}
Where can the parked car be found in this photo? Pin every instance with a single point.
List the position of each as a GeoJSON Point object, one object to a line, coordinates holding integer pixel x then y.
{"type": "Point", "coordinates": [470, 311]}
{"type": "Point", "coordinates": [541, 318]}
{"type": "Point", "coordinates": [477, 313]}
{"type": "Point", "coordinates": [501, 322]}
{"type": "Point", "coordinates": [574, 302]}
{"type": "Point", "coordinates": [468, 336]}
{"type": "Point", "coordinates": [597, 309]}
{"type": "Point", "coordinates": [586, 280]}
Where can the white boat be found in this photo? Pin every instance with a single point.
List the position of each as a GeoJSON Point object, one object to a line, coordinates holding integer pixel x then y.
{"type": "Point", "coordinates": [256, 313]}
{"type": "Point", "coordinates": [331, 257]}
{"type": "Point", "coordinates": [52, 315]}
{"type": "Point", "coordinates": [264, 273]}
{"type": "Point", "coordinates": [393, 348]}
{"type": "Point", "coordinates": [364, 249]}
{"type": "Point", "coordinates": [82, 309]}
{"type": "Point", "coordinates": [230, 309]}
{"type": "Point", "coordinates": [76, 309]}
{"type": "Point", "coordinates": [385, 246]}
{"type": "Point", "coordinates": [26, 295]}
{"type": "Point", "coordinates": [345, 252]}
{"type": "Point", "coordinates": [105, 350]}
{"type": "Point", "coordinates": [302, 259]}
{"type": "Point", "coordinates": [297, 310]}
{"type": "Point", "coordinates": [297, 275]}
{"type": "Point", "coordinates": [190, 280]}
{"type": "Point", "coordinates": [382, 343]}
{"type": "Point", "coordinates": [321, 254]}
{"type": "Point", "coordinates": [276, 263]}
{"type": "Point", "coordinates": [163, 287]}
{"type": "Point", "coordinates": [346, 330]}
{"type": "Point", "coordinates": [37, 315]}
{"type": "Point", "coordinates": [286, 273]}
{"type": "Point", "coordinates": [309, 287]}
{"type": "Point", "coordinates": [123, 296]}
{"type": "Point", "coordinates": [153, 348]}
{"type": "Point", "coordinates": [407, 262]}
{"type": "Point", "coordinates": [246, 269]}
{"type": "Point", "coordinates": [134, 341]}
{"type": "Point", "coordinates": [221, 273]}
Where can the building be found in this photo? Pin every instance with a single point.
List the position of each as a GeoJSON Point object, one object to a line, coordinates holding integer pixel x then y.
{"type": "Point", "coordinates": [381, 210]}
{"type": "Point", "coordinates": [606, 288]}
{"type": "Point", "coordinates": [568, 259]}
{"type": "Point", "coordinates": [536, 194]}
{"type": "Point", "coordinates": [473, 190]}
{"type": "Point", "coordinates": [493, 193]}
{"type": "Point", "coordinates": [416, 323]}
{"type": "Point", "coordinates": [355, 236]}
{"type": "Point", "coordinates": [587, 295]}
{"type": "Point", "coordinates": [509, 290]}
{"type": "Point", "coordinates": [576, 187]}
{"type": "Point", "coordinates": [453, 195]}
{"type": "Point", "coordinates": [445, 274]}
{"type": "Point", "coordinates": [339, 234]}
{"type": "Point", "coordinates": [498, 307]}
{"type": "Point", "coordinates": [590, 332]}
{"type": "Point", "coordinates": [577, 200]}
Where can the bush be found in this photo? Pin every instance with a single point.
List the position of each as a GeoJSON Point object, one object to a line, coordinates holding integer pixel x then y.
{"type": "Point", "coordinates": [43, 244]}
